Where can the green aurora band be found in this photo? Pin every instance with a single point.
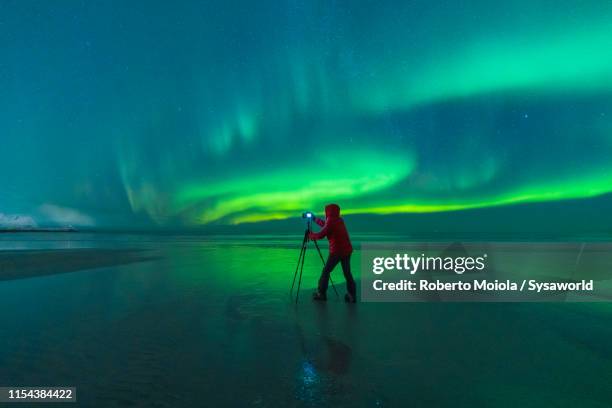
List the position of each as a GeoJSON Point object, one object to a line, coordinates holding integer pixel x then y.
{"type": "Point", "coordinates": [236, 112]}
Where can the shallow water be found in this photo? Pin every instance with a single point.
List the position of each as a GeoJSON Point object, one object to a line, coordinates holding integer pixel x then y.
{"type": "Point", "coordinates": [209, 321]}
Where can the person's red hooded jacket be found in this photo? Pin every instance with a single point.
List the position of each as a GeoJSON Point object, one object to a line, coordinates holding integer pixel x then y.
{"type": "Point", "coordinates": [334, 229]}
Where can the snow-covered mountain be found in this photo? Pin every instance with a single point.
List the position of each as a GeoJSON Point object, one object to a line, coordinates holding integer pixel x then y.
{"type": "Point", "coordinates": [17, 221]}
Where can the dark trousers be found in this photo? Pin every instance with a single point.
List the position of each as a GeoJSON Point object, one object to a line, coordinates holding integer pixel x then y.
{"type": "Point", "coordinates": [332, 261]}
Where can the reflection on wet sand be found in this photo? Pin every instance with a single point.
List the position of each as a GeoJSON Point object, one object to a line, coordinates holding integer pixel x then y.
{"type": "Point", "coordinates": [326, 373]}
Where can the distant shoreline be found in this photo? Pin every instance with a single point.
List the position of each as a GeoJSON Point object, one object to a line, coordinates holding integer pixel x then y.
{"type": "Point", "coordinates": [13, 230]}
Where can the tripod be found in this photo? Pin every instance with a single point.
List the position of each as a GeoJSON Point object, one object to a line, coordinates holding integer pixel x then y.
{"type": "Point", "coordinates": [300, 263]}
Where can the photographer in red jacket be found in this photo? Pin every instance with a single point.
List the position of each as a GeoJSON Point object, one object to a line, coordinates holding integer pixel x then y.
{"type": "Point", "coordinates": [340, 250]}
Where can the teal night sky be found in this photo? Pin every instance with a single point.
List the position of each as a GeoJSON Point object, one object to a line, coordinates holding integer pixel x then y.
{"type": "Point", "coordinates": [179, 114]}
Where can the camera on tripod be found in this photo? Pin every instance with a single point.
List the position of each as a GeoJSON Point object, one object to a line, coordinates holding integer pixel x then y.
{"type": "Point", "coordinates": [308, 216]}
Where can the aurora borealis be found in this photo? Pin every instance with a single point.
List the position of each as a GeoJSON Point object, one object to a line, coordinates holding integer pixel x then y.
{"type": "Point", "coordinates": [161, 114]}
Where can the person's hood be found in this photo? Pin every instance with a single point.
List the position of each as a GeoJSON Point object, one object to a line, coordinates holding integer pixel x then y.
{"type": "Point", "coordinates": [332, 211]}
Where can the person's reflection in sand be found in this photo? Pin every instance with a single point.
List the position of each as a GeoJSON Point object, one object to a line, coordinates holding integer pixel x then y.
{"type": "Point", "coordinates": [326, 356]}
{"type": "Point", "coordinates": [332, 354]}
{"type": "Point", "coordinates": [329, 354]}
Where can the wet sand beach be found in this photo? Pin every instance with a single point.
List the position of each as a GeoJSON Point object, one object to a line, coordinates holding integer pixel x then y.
{"type": "Point", "coordinates": [191, 322]}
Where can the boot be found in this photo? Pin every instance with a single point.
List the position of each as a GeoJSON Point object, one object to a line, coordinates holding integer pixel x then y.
{"type": "Point", "coordinates": [319, 296]}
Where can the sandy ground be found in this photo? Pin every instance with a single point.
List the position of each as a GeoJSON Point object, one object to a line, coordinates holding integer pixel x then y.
{"type": "Point", "coordinates": [31, 263]}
